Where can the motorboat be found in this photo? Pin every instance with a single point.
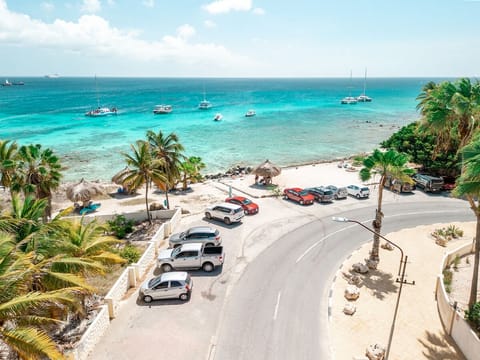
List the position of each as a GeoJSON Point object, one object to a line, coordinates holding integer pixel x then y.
{"type": "Point", "coordinates": [250, 113]}
{"type": "Point", "coordinates": [162, 109]}
{"type": "Point", "coordinates": [52, 76]}
{"type": "Point", "coordinates": [364, 97]}
{"type": "Point", "coordinates": [102, 111]}
{"type": "Point", "coordinates": [7, 83]}
{"type": "Point", "coordinates": [204, 105]}
{"type": "Point", "coordinates": [350, 100]}
{"type": "Point", "coordinates": [18, 83]}
{"type": "Point", "coordinates": [218, 117]}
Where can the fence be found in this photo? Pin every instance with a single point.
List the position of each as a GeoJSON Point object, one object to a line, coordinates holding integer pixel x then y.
{"type": "Point", "coordinates": [129, 278]}
{"type": "Point", "coordinates": [453, 322]}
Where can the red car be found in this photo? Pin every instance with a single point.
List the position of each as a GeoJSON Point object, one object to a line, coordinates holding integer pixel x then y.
{"type": "Point", "coordinates": [301, 196]}
{"type": "Point", "coordinates": [248, 205]}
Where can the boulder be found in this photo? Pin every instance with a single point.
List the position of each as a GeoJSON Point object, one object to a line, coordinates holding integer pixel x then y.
{"type": "Point", "coordinates": [375, 352]}
{"type": "Point", "coordinates": [349, 309]}
{"type": "Point", "coordinates": [360, 268]}
{"type": "Point", "coordinates": [371, 264]}
{"type": "Point", "coordinates": [354, 280]}
{"type": "Point", "coordinates": [352, 292]}
{"type": "Point", "coordinates": [156, 206]}
{"type": "Point", "coordinates": [387, 246]}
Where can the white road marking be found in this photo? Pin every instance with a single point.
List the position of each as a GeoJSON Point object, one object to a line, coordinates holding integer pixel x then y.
{"type": "Point", "coordinates": [276, 306]}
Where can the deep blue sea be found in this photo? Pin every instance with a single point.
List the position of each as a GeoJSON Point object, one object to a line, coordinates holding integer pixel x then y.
{"type": "Point", "coordinates": [297, 121]}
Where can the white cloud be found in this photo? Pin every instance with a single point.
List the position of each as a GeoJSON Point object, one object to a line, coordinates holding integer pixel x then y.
{"type": "Point", "coordinates": [93, 36]}
{"type": "Point", "coordinates": [225, 6]}
{"type": "Point", "coordinates": [111, 2]}
{"type": "Point", "coordinates": [209, 24]}
{"type": "Point", "coordinates": [47, 6]}
{"type": "Point", "coordinates": [149, 3]}
{"type": "Point", "coordinates": [91, 6]}
{"type": "Point", "coordinates": [258, 11]}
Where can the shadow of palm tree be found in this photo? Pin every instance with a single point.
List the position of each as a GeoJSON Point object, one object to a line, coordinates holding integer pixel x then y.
{"type": "Point", "coordinates": [440, 347]}
{"type": "Point", "coordinates": [378, 282]}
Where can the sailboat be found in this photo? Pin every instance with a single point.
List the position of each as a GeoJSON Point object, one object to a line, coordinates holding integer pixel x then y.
{"type": "Point", "coordinates": [349, 100]}
{"type": "Point", "coordinates": [100, 110]}
{"type": "Point", "coordinates": [364, 97]}
{"type": "Point", "coordinates": [204, 104]}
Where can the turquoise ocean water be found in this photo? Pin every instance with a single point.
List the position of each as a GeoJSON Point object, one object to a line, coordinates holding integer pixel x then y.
{"type": "Point", "coordinates": [298, 120]}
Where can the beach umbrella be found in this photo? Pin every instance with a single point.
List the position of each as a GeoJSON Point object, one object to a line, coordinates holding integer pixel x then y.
{"type": "Point", "coordinates": [119, 177]}
{"type": "Point", "coordinates": [84, 191]}
{"type": "Point", "coordinates": [267, 169]}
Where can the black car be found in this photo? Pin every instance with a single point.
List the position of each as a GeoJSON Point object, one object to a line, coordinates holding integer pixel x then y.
{"type": "Point", "coordinates": [321, 194]}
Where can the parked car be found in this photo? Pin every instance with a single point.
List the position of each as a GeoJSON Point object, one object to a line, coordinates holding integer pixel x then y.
{"type": "Point", "coordinates": [358, 191]}
{"type": "Point", "coordinates": [226, 212]}
{"type": "Point", "coordinates": [248, 205]}
{"type": "Point", "coordinates": [299, 195]}
{"type": "Point", "coordinates": [397, 185]}
{"type": "Point", "coordinates": [338, 192]}
{"type": "Point", "coordinates": [321, 194]}
{"type": "Point", "coordinates": [198, 234]}
{"type": "Point", "coordinates": [191, 256]}
{"type": "Point", "coordinates": [449, 183]}
{"type": "Point", "coordinates": [173, 285]}
{"type": "Point", "coordinates": [428, 183]}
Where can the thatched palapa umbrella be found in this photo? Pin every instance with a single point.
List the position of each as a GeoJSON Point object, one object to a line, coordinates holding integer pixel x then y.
{"type": "Point", "coordinates": [84, 191]}
{"type": "Point", "coordinates": [267, 170]}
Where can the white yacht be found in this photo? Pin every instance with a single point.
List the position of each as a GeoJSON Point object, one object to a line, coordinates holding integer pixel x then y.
{"type": "Point", "coordinates": [250, 113]}
{"type": "Point", "coordinates": [162, 109]}
{"type": "Point", "coordinates": [364, 97]}
{"type": "Point", "coordinates": [350, 100]}
{"type": "Point", "coordinates": [101, 111]}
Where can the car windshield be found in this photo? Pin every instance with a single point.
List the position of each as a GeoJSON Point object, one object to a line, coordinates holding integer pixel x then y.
{"type": "Point", "coordinates": [153, 281]}
{"type": "Point", "coordinates": [304, 192]}
{"type": "Point", "coordinates": [176, 251]}
{"type": "Point", "coordinates": [237, 210]}
{"type": "Point", "coordinates": [328, 192]}
{"type": "Point", "coordinates": [364, 189]}
{"type": "Point", "coordinates": [246, 202]}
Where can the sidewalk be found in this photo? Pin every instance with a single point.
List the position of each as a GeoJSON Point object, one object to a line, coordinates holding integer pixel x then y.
{"type": "Point", "coordinates": [418, 332]}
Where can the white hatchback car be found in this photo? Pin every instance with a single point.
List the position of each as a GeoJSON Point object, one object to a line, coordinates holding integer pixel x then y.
{"type": "Point", "coordinates": [226, 212]}
{"type": "Point", "coordinates": [359, 191]}
{"type": "Point", "coordinates": [170, 285]}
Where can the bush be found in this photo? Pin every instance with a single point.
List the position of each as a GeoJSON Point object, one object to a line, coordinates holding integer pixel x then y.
{"type": "Point", "coordinates": [120, 226]}
{"type": "Point", "coordinates": [130, 253]}
{"type": "Point", "coordinates": [473, 315]}
{"type": "Point", "coordinates": [447, 277]}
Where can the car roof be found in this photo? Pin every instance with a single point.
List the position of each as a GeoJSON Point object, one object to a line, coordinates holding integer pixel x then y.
{"type": "Point", "coordinates": [239, 198]}
{"type": "Point", "coordinates": [192, 246]}
{"type": "Point", "coordinates": [197, 229]}
{"type": "Point", "coordinates": [227, 205]}
{"type": "Point", "coordinates": [295, 189]}
{"type": "Point", "coordinates": [174, 275]}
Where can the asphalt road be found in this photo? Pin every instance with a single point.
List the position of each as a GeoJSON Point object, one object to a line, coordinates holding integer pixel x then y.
{"type": "Point", "coordinates": [278, 308]}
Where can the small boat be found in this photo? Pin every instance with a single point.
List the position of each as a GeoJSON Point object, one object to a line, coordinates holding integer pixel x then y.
{"type": "Point", "coordinates": [7, 83]}
{"type": "Point", "coordinates": [364, 97]}
{"type": "Point", "coordinates": [204, 105]}
{"type": "Point", "coordinates": [218, 117]}
{"type": "Point", "coordinates": [250, 113]}
{"type": "Point", "coordinates": [18, 83]}
{"type": "Point", "coordinates": [52, 76]}
{"type": "Point", "coordinates": [102, 111]}
{"type": "Point", "coordinates": [162, 109]}
{"type": "Point", "coordinates": [350, 100]}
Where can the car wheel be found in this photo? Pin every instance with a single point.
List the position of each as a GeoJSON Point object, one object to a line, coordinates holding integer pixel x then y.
{"type": "Point", "coordinates": [167, 267]}
{"type": "Point", "coordinates": [184, 297]}
{"type": "Point", "coordinates": [357, 196]}
{"type": "Point", "coordinates": [208, 215]}
{"type": "Point", "coordinates": [336, 197]}
{"type": "Point", "coordinates": [301, 202]}
{"type": "Point", "coordinates": [207, 267]}
{"type": "Point", "coordinates": [147, 299]}
{"type": "Point", "coordinates": [227, 221]}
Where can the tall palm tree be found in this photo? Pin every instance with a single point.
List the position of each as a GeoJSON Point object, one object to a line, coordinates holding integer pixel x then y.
{"type": "Point", "coordinates": [8, 155]}
{"type": "Point", "coordinates": [169, 150]}
{"type": "Point", "coordinates": [190, 170]}
{"type": "Point", "coordinates": [38, 173]}
{"type": "Point", "coordinates": [143, 169]}
{"type": "Point", "coordinates": [468, 185]}
{"type": "Point", "coordinates": [384, 164]}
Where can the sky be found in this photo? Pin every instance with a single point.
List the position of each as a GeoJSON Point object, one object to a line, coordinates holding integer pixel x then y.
{"type": "Point", "coordinates": [240, 38]}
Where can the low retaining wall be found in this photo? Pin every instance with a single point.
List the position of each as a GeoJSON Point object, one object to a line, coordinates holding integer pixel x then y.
{"type": "Point", "coordinates": [453, 322]}
{"type": "Point", "coordinates": [129, 278]}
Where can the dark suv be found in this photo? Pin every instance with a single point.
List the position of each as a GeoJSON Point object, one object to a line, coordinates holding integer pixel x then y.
{"type": "Point", "coordinates": [321, 194]}
{"type": "Point", "coordinates": [197, 234]}
{"type": "Point", "coordinates": [428, 183]}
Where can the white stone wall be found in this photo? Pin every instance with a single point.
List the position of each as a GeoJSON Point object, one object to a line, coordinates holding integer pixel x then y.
{"type": "Point", "coordinates": [117, 291]}
{"type": "Point", "coordinates": [146, 260]}
{"type": "Point", "coordinates": [93, 334]}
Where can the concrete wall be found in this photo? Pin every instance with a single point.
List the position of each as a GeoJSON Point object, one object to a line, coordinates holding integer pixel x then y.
{"type": "Point", "coordinates": [129, 278]}
{"type": "Point", "coordinates": [453, 322]}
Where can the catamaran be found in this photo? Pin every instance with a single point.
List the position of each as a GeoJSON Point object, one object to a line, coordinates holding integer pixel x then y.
{"type": "Point", "coordinates": [162, 109]}
{"type": "Point", "coordinates": [349, 100]}
{"type": "Point", "coordinates": [364, 97]}
{"type": "Point", "coordinates": [204, 104]}
{"type": "Point", "coordinates": [100, 110]}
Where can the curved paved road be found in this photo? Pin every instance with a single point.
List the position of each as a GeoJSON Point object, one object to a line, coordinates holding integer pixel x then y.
{"type": "Point", "coordinates": [278, 308]}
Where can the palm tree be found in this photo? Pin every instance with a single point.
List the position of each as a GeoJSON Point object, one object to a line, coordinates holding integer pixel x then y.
{"type": "Point", "coordinates": [468, 185]}
{"type": "Point", "coordinates": [169, 150]}
{"type": "Point", "coordinates": [190, 170]}
{"type": "Point", "coordinates": [143, 169]}
{"type": "Point", "coordinates": [38, 173]}
{"type": "Point", "coordinates": [389, 163]}
{"type": "Point", "coordinates": [8, 154]}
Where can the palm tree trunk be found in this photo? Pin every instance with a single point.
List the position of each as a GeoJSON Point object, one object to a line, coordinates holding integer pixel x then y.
{"type": "Point", "coordinates": [146, 201]}
{"type": "Point", "coordinates": [167, 188]}
{"type": "Point", "coordinates": [377, 225]}
{"type": "Point", "coordinates": [474, 286]}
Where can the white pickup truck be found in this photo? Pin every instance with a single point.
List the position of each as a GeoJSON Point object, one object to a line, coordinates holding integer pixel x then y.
{"type": "Point", "coordinates": [191, 256]}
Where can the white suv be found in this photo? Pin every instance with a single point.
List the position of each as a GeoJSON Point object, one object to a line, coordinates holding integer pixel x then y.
{"type": "Point", "coordinates": [358, 191]}
{"type": "Point", "coordinates": [226, 212]}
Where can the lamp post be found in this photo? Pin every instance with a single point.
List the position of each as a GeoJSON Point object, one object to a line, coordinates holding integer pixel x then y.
{"type": "Point", "coordinates": [401, 272]}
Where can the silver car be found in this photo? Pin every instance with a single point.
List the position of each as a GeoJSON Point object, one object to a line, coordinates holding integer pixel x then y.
{"type": "Point", "coordinates": [338, 192]}
{"type": "Point", "coordinates": [171, 285]}
{"type": "Point", "coordinates": [197, 234]}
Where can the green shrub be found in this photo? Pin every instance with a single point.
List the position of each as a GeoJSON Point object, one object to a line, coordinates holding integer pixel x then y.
{"type": "Point", "coordinates": [120, 226]}
{"type": "Point", "coordinates": [473, 315]}
{"type": "Point", "coordinates": [447, 277]}
{"type": "Point", "coordinates": [456, 262]}
{"type": "Point", "coordinates": [130, 253]}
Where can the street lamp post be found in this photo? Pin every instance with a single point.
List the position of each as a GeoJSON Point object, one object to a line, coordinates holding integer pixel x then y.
{"type": "Point", "coordinates": [401, 273]}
